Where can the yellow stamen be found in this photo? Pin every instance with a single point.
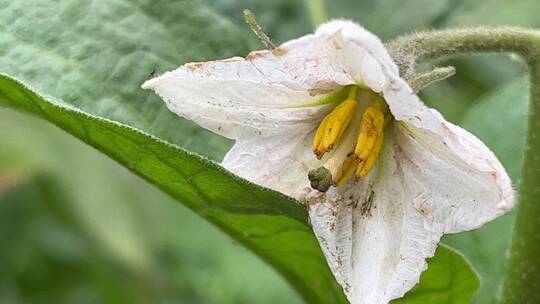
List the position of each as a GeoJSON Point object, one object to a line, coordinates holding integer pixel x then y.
{"type": "Point", "coordinates": [338, 122]}
{"type": "Point", "coordinates": [334, 125]}
{"type": "Point", "coordinates": [342, 164]}
{"type": "Point", "coordinates": [346, 170]}
{"type": "Point", "coordinates": [319, 135]}
{"type": "Point", "coordinates": [356, 153]}
{"type": "Point", "coordinates": [371, 128]}
{"type": "Point", "coordinates": [366, 166]}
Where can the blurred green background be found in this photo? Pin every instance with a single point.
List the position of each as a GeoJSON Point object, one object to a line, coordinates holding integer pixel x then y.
{"type": "Point", "coordinates": [78, 228]}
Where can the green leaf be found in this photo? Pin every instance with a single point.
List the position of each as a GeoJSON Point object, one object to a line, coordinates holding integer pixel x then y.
{"type": "Point", "coordinates": [271, 225]}
{"type": "Point", "coordinates": [95, 55]}
{"type": "Point", "coordinates": [500, 120]}
{"type": "Point", "coordinates": [448, 280]}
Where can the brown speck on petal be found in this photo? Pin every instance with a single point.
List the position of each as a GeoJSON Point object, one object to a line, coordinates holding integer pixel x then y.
{"type": "Point", "coordinates": [279, 51]}
{"type": "Point", "coordinates": [365, 208]}
{"type": "Point", "coordinates": [319, 198]}
{"type": "Point", "coordinates": [194, 66]}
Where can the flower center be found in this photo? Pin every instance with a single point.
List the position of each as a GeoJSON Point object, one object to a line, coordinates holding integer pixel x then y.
{"type": "Point", "coordinates": [353, 135]}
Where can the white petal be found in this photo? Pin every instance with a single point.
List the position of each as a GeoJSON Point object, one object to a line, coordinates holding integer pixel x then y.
{"type": "Point", "coordinates": [241, 98]}
{"type": "Point", "coordinates": [374, 238]}
{"type": "Point", "coordinates": [355, 33]}
{"type": "Point", "coordinates": [235, 108]}
{"type": "Point", "coordinates": [377, 234]}
{"type": "Point", "coordinates": [458, 166]}
{"type": "Point", "coordinates": [281, 162]}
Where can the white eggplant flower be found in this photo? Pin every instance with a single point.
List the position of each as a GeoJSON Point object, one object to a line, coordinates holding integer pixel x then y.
{"type": "Point", "coordinates": [393, 175]}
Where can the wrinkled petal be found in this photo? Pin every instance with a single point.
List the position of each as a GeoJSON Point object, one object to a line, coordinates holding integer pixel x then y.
{"type": "Point", "coordinates": [372, 236]}
{"type": "Point", "coordinates": [237, 108]}
{"type": "Point", "coordinates": [433, 178]}
{"type": "Point", "coordinates": [263, 94]}
{"type": "Point", "coordinates": [453, 160]}
{"type": "Point", "coordinates": [376, 235]}
{"type": "Point", "coordinates": [354, 33]}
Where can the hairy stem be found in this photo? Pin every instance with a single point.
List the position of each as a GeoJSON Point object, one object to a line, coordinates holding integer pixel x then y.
{"type": "Point", "coordinates": [522, 282]}
{"type": "Point", "coordinates": [423, 47]}
{"type": "Point", "coordinates": [423, 80]}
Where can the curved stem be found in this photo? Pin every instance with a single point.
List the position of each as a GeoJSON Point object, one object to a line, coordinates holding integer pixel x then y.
{"type": "Point", "coordinates": [522, 282]}
{"type": "Point", "coordinates": [423, 47]}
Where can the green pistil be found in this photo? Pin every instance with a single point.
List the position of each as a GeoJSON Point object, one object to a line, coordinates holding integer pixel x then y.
{"type": "Point", "coordinates": [320, 178]}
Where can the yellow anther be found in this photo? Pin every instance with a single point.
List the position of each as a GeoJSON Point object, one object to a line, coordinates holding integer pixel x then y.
{"type": "Point", "coordinates": [334, 125]}
{"type": "Point", "coordinates": [356, 153]}
{"type": "Point", "coordinates": [319, 136]}
{"type": "Point", "coordinates": [371, 127]}
{"type": "Point", "coordinates": [365, 167]}
{"type": "Point", "coordinates": [345, 171]}
{"type": "Point", "coordinates": [339, 120]}
{"type": "Point", "coordinates": [342, 165]}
